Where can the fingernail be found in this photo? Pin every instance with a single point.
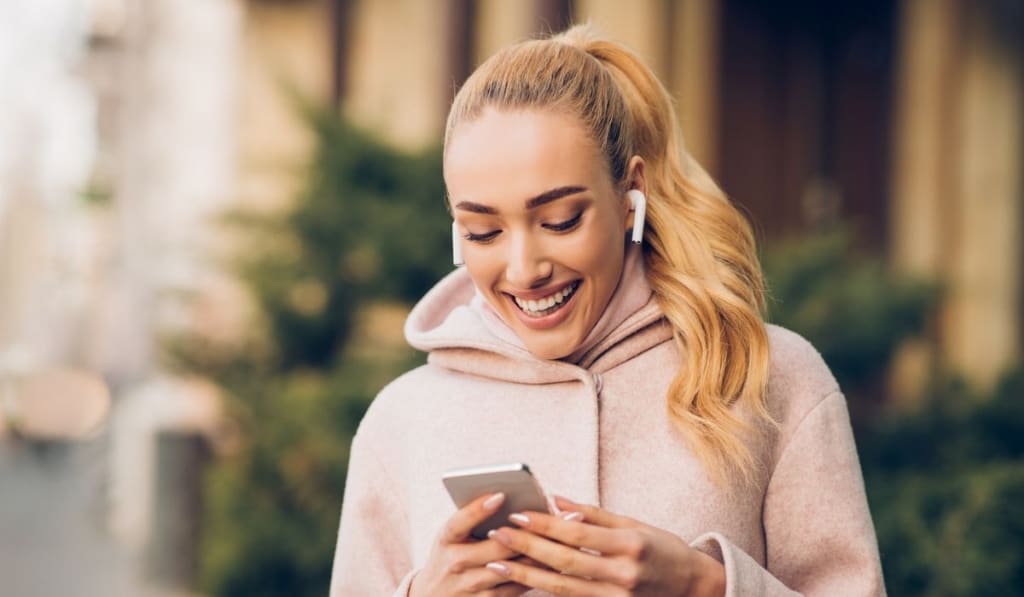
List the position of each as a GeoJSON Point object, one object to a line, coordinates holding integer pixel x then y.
{"type": "Point", "coordinates": [491, 533]}
{"type": "Point", "coordinates": [519, 518]}
{"type": "Point", "coordinates": [498, 567]}
{"type": "Point", "coordinates": [572, 516]}
{"type": "Point", "coordinates": [494, 501]}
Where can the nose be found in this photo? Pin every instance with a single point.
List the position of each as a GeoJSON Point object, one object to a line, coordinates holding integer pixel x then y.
{"type": "Point", "coordinates": [526, 265]}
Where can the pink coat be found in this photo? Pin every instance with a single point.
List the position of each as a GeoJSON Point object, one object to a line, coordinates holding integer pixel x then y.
{"type": "Point", "coordinates": [598, 433]}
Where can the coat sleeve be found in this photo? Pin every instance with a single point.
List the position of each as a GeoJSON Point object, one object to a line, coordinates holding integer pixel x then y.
{"type": "Point", "coordinates": [372, 555]}
{"type": "Point", "coordinates": [819, 538]}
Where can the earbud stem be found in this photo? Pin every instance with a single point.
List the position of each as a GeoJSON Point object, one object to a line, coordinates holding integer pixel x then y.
{"type": "Point", "coordinates": [456, 246]}
{"type": "Point", "coordinates": [638, 202]}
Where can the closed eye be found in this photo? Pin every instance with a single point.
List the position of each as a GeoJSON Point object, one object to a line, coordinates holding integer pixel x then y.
{"type": "Point", "coordinates": [481, 238]}
{"type": "Point", "coordinates": [566, 225]}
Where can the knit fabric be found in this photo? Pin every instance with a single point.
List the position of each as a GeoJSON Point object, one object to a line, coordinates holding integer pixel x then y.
{"type": "Point", "coordinates": [596, 431]}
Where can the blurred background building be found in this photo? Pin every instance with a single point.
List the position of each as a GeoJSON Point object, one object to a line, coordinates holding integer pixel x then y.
{"type": "Point", "coordinates": [128, 127]}
{"type": "Point", "coordinates": [902, 117]}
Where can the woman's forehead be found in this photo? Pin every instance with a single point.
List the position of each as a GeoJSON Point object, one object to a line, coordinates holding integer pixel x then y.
{"type": "Point", "coordinates": [520, 153]}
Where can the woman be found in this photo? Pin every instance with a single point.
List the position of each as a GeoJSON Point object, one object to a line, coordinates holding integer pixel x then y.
{"type": "Point", "coordinates": [704, 451]}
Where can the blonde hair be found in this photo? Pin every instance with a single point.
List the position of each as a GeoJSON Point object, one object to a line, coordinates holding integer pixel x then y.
{"type": "Point", "coordinates": [699, 250]}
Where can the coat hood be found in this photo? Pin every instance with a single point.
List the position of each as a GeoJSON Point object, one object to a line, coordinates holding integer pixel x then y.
{"type": "Point", "coordinates": [445, 324]}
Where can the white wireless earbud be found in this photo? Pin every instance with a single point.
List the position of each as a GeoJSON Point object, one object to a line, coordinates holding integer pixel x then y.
{"type": "Point", "coordinates": [639, 204]}
{"type": "Point", "coordinates": [456, 246]}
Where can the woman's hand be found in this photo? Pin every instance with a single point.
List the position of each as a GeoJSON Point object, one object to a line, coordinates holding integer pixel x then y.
{"type": "Point", "coordinates": [457, 562]}
{"type": "Point", "coordinates": [607, 555]}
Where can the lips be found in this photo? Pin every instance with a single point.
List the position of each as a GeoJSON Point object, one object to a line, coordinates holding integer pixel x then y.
{"type": "Point", "coordinates": [547, 304]}
{"type": "Point", "coordinates": [546, 318]}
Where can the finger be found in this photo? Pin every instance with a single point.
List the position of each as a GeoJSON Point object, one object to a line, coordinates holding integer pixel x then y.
{"type": "Point", "coordinates": [482, 578]}
{"type": "Point", "coordinates": [467, 556]}
{"type": "Point", "coordinates": [552, 582]}
{"type": "Point", "coordinates": [528, 561]}
{"type": "Point", "coordinates": [595, 515]}
{"type": "Point", "coordinates": [589, 537]}
{"type": "Point", "coordinates": [562, 558]}
{"type": "Point", "coordinates": [479, 553]}
{"type": "Point", "coordinates": [459, 526]}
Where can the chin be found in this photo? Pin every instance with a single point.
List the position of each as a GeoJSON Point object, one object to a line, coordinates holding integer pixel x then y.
{"type": "Point", "coordinates": [552, 350]}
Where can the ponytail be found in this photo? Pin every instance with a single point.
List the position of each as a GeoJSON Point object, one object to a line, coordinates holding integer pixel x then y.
{"type": "Point", "coordinates": [699, 250]}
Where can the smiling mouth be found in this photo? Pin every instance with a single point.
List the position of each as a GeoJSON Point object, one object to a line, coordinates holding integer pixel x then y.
{"type": "Point", "coordinates": [549, 304]}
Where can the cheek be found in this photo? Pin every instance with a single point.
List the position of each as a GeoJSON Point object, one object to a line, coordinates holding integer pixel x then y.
{"type": "Point", "coordinates": [596, 252]}
{"type": "Point", "coordinates": [483, 269]}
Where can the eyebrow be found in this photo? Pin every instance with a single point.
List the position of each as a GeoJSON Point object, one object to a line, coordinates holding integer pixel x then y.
{"type": "Point", "coordinates": [533, 203]}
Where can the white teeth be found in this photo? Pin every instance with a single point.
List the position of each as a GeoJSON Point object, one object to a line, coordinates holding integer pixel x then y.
{"type": "Point", "coordinates": [535, 307]}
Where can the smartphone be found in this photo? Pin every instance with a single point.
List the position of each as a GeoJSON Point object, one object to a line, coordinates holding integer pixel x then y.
{"type": "Point", "coordinates": [521, 489]}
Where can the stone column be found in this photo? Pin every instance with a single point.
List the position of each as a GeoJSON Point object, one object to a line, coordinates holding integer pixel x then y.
{"type": "Point", "coordinates": [957, 195]}
{"type": "Point", "coordinates": [500, 23]}
{"type": "Point", "coordinates": [982, 322]}
{"type": "Point", "coordinates": [640, 25]}
{"type": "Point", "coordinates": [922, 163]}
{"type": "Point", "coordinates": [693, 76]}
{"type": "Point", "coordinates": [398, 61]}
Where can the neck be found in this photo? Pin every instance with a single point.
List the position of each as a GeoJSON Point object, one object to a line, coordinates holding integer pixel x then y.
{"type": "Point", "coordinates": [632, 292]}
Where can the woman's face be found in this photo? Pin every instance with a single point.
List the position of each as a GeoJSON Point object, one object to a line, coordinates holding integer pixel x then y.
{"type": "Point", "coordinates": [543, 227]}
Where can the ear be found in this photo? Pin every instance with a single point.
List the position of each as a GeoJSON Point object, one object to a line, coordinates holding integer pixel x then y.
{"type": "Point", "coordinates": [635, 179]}
{"type": "Point", "coordinates": [636, 174]}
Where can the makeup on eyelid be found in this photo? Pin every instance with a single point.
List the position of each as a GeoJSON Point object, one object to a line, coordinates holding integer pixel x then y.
{"type": "Point", "coordinates": [562, 226]}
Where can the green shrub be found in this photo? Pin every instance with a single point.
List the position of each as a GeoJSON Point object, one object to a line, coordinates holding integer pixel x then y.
{"type": "Point", "coordinates": [370, 224]}
{"type": "Point", "coordinates": [946, 487]}
{"type": "Point", "coordinates": [850, 306]}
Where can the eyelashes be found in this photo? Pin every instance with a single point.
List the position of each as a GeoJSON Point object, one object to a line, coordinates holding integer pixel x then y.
{"type": "Point", "coordinates": [565, 226]}
{"type": "Point", "coordinates": [481, 238]}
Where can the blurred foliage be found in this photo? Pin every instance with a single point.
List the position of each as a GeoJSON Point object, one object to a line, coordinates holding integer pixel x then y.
{"type": "Point", "coordinates": [369, 224]}
{"type": "Point", "coordinates": [946, 488]}
{"type": "Point", "coordinates": [848, 305]}
{"type": "Point", "coordinates": [272, 507]}
{"type": "Point", "coordinates": [946, 483]}
{"type": "Point", "coordinates": [365, 226]}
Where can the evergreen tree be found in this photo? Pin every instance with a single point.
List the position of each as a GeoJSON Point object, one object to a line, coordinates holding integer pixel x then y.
{"type": "Point", "coordinates": [370, 224]}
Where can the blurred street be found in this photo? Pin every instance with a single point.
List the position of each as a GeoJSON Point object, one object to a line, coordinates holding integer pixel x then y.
{"type": "Point", "coordinates": [52, 537]}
